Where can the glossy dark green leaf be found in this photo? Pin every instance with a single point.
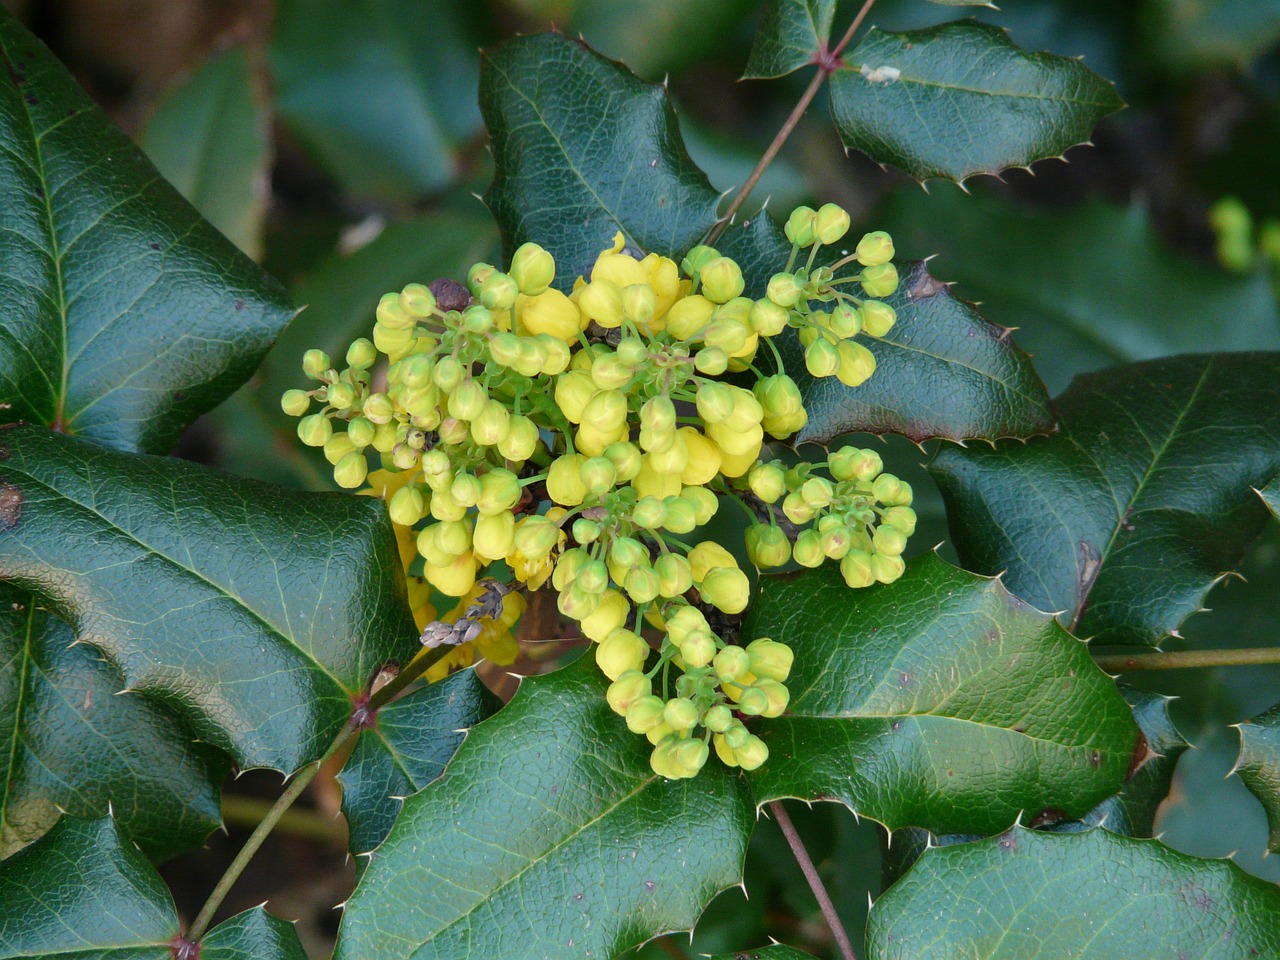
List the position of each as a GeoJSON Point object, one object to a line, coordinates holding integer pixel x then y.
{"type": "Point", "coordinates": [126, 315]}
{"type": "Point", "coordinates": [1271, 496]}
{"type": "Point", "coordinates": [1077, 284]}
{"type": "Point", "coordinates": [82, 892]}
{"type": "Point", "coordinates": [911, 701]}
{"type": "Point", "coordinates": [942, 371]}
{"type": "Point", "coordinates": [209, 139]}
{"type": "Point", "coordinates": [1092, 896]}
{"type": "Point", "coordinates": [1259, 765]}
{"type": "Point", "coordinates": [253, 612]}
{"type": "Point", "coordinates": [382, 92]}
{"type": "Point", "coordinates": [962, 99]}
{"type": "Point", "coordinates": [792, 33]}
{"type": "Point", "coordinates": [70, 744]}
{"type": "Point", "coordinates": [584, 149]}
{"type": "Point", "coordinates": [549, 837]}
{"type": "Point", "coordinates": [1124, 518]}
{"type": "Point", "coordinates": [413, 739]}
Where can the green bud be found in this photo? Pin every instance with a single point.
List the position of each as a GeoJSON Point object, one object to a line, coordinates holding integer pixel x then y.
{"type": "Point", "coordinates": [830, 223]}
{"type": "Point", "coordinates": [626, 459]}
{"type": "Point", "coordinates": [295, 402]}
{"type": "Point", "coordinates": [874, 249]}
{"type": "Point", "coordinates": [767, 481]}
{"type": "Point", "coordinates": [499, 491]}
{"type": "Point", "coordinates": [891, 491]}
{"type": "Point", "coordinates": [504, 348]}
{"type": "Point", "coordinates": [641, 584]}
{"type": "Point", "coordinates": [315, 363]}
{"type": "Point", "coordinates": [821, 358]}
{"type": "Point", "coordinates": [795, 509]}
{"type": "Point", "coordinates": [341, 395]}
{"type": "Point", "coordinates": [598, 475]}
{"type": "Point", "coordinates": [533, 269]}
{"type": "Point", "coordinates": [593, 576]}
{"type": "Point", "coordinates": [767, 545]}
{"type": "Point", "coordinates": [785, 289]}
{"type": "Point", "coordinates": [384, 437]}
{"type": "Point", "coordinates": [629, 688]}
{"type": "Point", "coordinates": [877, 317]}
{"type": "Point", "coordinates": [674, 575]}
{"type": "Point", "coordinates": [361, 354]}
{"type": "Point", "coordinates": [404, 457]}
{"type": "Point", "coordinates": [466, 488]}
{"type": "Point", "coordinates": [468, 400]}
{"type": "Point", "coordinates": [718, 718]}
{"type": "Point", "coordinates": [536, 536]}
{"type": "Point", "coordinates": [889, 541]}
{"type": "Point", "coordinates": [721, 279]}
{"type": "Point", "coordinates": [770, 659]}
{"type": "Point", "coordinates": [855, 567]}
{"type": "Point", "coordinates": [715, 402]}
{"type": "Point", "coordinates": [902, 518]}
{"type": "Point", "coordinates": [379, 408]}
{"type": "Point", "coordinates": [698, 650]}
{"type": "Point", "coordinates": [752, 753]}
{"type": "Point", "coordinates": [801, 228]}
{"type": "Point", "coordinates": [586, 531]}
{"type": "Point", "coordinates": [845, 320]}
{"type": "Point", "coordinates": [731, 663]}
{"type": "Point", "coordinates": [887, 569]}
{"type": "Point", "coordinates": [737, 734]}
{"type": "Point", "coordinates": [351, 470]}
{"type": "Point", "coordinates": [407, 506]}
{"type": "Point", "coordinates": [632, 351]}
{"type": "Point", "coordinates": [711, 361]}
{"type": "Point", "coordinates": [768, 318]}
{"type": "Point", "coordinates": [610, 372]}
{"type": "Point", "coordinates": [639, 305]}
{"type": "Point", "coordinates": [705, 504]}
{"type": "Point", "coordinates": [808, 549]}
{"type": "Point", "coordinates": [498, 291]}
{"type": "Point", "coordinates": [447, 373]}
{"type": "Point", "coordinates": [491, 425]}
{"type": "Point", "coordinates": [477, 319]}
{"type": "Point", "coordinates": [682, 514]}
{"type": "Point", "coordinates": [478, 274]}
{"type": "Point", "coordinates": [315, 430]}
{"type": "Point", "coordinates": [778, 395]}
{"type": "Point", "coordinates": [361, 431]}
{"type": "Point", "coordinates": [649, 513]}
{"type": "Point", "coordinates": [696, 258]}
{"type": "Point", "coordinates": [645, 713]}
{"type": "Point", "coordinates": [627, 552]}
{"type": "Point", "coordinates": [417, 300]}
{"type": "Point", "coordinates": [880, 281]}
{"type": "Point", "coordinates": [835, 541]}
{"type": "Point", "coordinates": [816, 492]}
{"type": "Point", "coordinates": [680, 714]}
{"type": "Point", "coordinates": [753, 702]}
{"type": "Point", "coordinates": [521, 439]}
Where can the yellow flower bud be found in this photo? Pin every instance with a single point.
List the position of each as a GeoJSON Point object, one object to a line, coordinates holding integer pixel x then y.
{"type": "Point", "coordinates": [856, 363]}
{"type": "Point", "coordinates": [641, 584]}
{"type": "Point", "coordinates": [606, 411]}
{"type": "Point", "coordinates": [821, 358]}
{"type": "Point", "coordinates": [688, 316]}
{"type": "Point", "coordinates": [874, 249]}
{"type": "Point", "coordinates": [768, 318]}
{"type": "Point", "coordinates": [626, 690]}
{"type": "Point", "coordinates": [574, 391]}
{"type": "Point", "coordinates": [351, 470]}
{"type": "Point", "coordinates": [680, 714]}
{"type": "Point", "coordinates": [407, 506]}
{"type": "Point", "coordinates": [808, 549]}
{"type": "Point", "coordinates": [494, 535]}
{"type": "Point", "coordinates": [492, 425]}
{"type": "Point", "coordinates": [610, 372]}
{"type": "Point", "coordinates": [752, 753]}
{"type": "Point", "coordinates": [564, 480]}
{"type": "Point", "coordinates": [620, 651]}
{"type": "Point", "coordinates": [707, 556]}
{"type": "Point", "coordinates": [650, 482]}
{"type": "Point", "coordinates": [877, 317]}
{"type": "Point", "coordinates": [735, 465]}
{"type": "Point", "coordinates": [454, 580]}
{"type": "Point", "coordinates": [903, 518]}
{"type": "Point", "coordinates": [731, 664]}
{"type": "Point", "coordinates": [703, 458]}
{"type": "Point", "coordinates": [601, 301]}
{"type": "Point", "coordinates": [770, 659]}
{"type": "Point", "coordinates": [607, 617]}
{"type": "Point", "coordinates": [592, 442]}
{"type": "Point", "coordinates": [639, 304]}
{"type": "Point", "coordinates": [533, 269]}
{"type": "Point", "coordinates": [394, 343]}
{"type": "Point", "coordinates": [855, 567]}
{"type": "Point", "coordinates": [711, 361]}
{"type": "Point", "coordinates": [681, 517]}
{"type": "Point", "coordinates": [674, 459]}
{"type": "Point", "coordinates": [705, 503]}
{"type": "Point", "coordinates": [521, 439]}
{"type": "Point", "coordinates": [767, 481]}
{"type": "Point", "coordinates": [337, 446]}
{"type": "Point", "coordinates": [721, 279]}
{"type": "Point", "coordinates": [767, 545]}
{"type": "Point", "coordinates": [598, 475]}
{"type": "Point", "coordinates": [891, 491]}
{"type": "Point", "coordinates": [675, 576]}
{"type": "Point", "coordinates": [726, 589]}
{"type": "Point", "coordinates": [550, 312]}
{"type": "Point", "coordinates": [394, 314]}
{"type": "Point", "coordinates": [801, 229]}
{"type": "Point", "coordinates": [536, 537]}
{"type": "Point", "coordinates": [880, 281]}
{"type": "Point", "coordinates": [887, 569]}
{"type": "Point", "coordinates": [649, 513]}
{"type": "Point", "coordinates": [626, 459]}
{"type": "Point", "coordinates": [644, 714]}
{"type": "Point", "coordinates": [831, 223]}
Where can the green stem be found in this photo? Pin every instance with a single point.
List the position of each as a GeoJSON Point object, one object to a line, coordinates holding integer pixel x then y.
{"type": "Point", "coordinates": [826, 65]}
{"type": "Point", "coordinates": [815, 881]}
{"type": "Point", "coordinates": [1188, 659]}
{"type": "Point", "coordinates": [310, 824]}
{"type": "Point", "coordinates": [300, 783]}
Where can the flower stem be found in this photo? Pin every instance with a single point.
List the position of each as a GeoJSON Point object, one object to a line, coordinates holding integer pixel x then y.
{"type": "Point", "coordinates": [300, 783]}
{"type": "Point", "coordinates": [815, 882]}
{"type": "Point", "coordinates": [827, 63]}
{"type": "Point", "coordinates": [1188, 659]}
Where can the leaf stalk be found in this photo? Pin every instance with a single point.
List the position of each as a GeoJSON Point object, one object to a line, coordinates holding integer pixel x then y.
{"type": "Point", "coordinates": [815, 881]}
{"type": "Point", "coordinates": [1188, 659]}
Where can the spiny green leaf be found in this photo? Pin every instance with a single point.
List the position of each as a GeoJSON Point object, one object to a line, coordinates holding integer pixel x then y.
{"type": "Point", "coordinates": [1078, 284]}
{"type": "Point", "coordinates": [548, 836]}
{"type": "Point", "coordinates": [406, 749]}
{"type": "Point", "coordinates": [81, 892]}
{"type": "Point", "coordinates": [1124, 518]}
{"type": "Point", "coordinates": [584, 149]}
{"type": "Point", "coordinates": [942, 371]}
{"type": "Point", "coordinates": [382, 92]}
{"type": "Point", "coordinates": [1259, 765]}
{"type": "Point", "coordinates": [792, 33]}
{"type": "Point", "coordinates": [126, 315]}
{"type": "Point", "coordinates": [253, 612]}
{"type": "Point", "coordinates": [1092, 896]}
{"type": "Point", "coordinates": [209, 139]}
{"type": "Point", "coordinates": [911, 701]}
{"type": "Point", "coordinates": [962, 99]}
{"type": "Point", "coordinates": [1270, 495]}
{"type": "Point", "coordinates": [68, 743]}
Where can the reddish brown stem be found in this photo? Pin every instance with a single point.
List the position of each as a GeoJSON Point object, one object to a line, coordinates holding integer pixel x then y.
{"type": "Point", "coordinates": [815, 881]}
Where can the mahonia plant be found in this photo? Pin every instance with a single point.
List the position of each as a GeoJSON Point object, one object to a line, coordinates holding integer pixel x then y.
{"type": "Point", "coordinates": [526, 435]}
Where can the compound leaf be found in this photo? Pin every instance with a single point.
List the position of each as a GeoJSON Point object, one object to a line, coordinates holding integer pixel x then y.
{"type": "Point", "coordinates": [1126, 516]}
{"type": "Point", "coordinates": [126, 314]}
{"type": "Point", "coordinates": [584, 149]}
{"type": "Point", "coordinates": [406, 749]}
{"type": "Point", "coordinates": [792, 33]}
{"type": "Point", "coordinates": [1096, 894]}
{"type": "Point", "coordinates": [962, 99]}
{"type": "Point", "coordinates": [939, 701]}
{"type": "Point", "coordinates": [71, 744]}
{"type": "Point", "coordinates": [548, 836]}
{"type": "Point", "coordinates": [253, 612]}
{"type": "Point", "coordinates": [82, 892]}
{"type": "Point", "coordinates": [1259, 766]}
{"type": "Point", "coordinates": [209, 139]}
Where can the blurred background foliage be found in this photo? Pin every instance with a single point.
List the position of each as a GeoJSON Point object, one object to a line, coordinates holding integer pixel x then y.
{"type": "Point", "coordinates": [339, 143]}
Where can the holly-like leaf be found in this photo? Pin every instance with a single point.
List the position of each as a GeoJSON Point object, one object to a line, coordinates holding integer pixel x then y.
{"type": "Point", "coordinates": [1271, 496]}
{"type": "Point", "coordinates": [382, 92]}
{"type": "Point", "coordinates": [1093, 895]}
{"type": "Point", "coordinates": [584, 149]}
{"type": "Point", "coordinates": [1259, 765]}
{"type": "Point", "coordinates": [126, 314]}
{"type": "Point", "coordinates": [962, 99]}
{"type": "Point", "coordinates": [209, 139]}
{"type": "Point", "coordinates": [939, 701]}
{"type": "Point", "coordinates": [254, 612]}
{"type": "Point", "coordinates": [81, 892]}
{"type": "Point", "coordinates": [556, 838]}
{"type": "Point", "coordinates": [71, 744]}
{"type": "Point", "coordinates": [792, 34]}
{"type": "Point", "coordinates": [406, 749]}
{"type": "Point", "coordinates": [1124, 518]}
{"type": "Point", "coordinates": [1076, 283]}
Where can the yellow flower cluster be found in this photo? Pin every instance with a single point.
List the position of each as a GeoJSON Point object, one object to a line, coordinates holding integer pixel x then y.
{"type": "Point", "coordinates": [583, 438]}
